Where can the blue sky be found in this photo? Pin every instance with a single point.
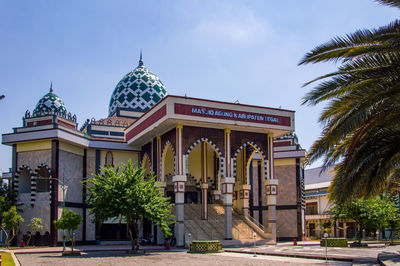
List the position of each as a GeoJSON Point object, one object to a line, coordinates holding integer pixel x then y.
{"type": "Point", "coordinates": [223, 50]}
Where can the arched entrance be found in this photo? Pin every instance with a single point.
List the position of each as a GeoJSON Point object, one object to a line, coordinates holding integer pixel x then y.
{"type": "Point", "coordinates": [168, 170]}
{"type": "Point", "coordinates": [146, 165]}
{"type": "Point", "coordinates": [250, 171]}
{"type": "Point", "coordinates": [204, 168]}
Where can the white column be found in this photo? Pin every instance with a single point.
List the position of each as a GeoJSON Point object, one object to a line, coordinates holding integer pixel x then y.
{"type": "Point", "coordinates": [272, 189]}
{"type": "Point", "coordinates": [179, 181]}
{"type": "Point", "coordinates": [227, 191]}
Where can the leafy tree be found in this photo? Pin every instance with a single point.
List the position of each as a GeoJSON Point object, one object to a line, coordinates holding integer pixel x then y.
{"type": "Point", "coordinates": [370, 214]}
{"type": "Point", "coordinates": [69, 221]}
{"type": "Point", "coordinates": [10, 220]}
{"type": "Point", "coordinates": [35, 225]}
{"type": "Point", "coordinates": [124, 194]}
{"type": "Point", "coordinates": [361, 129]}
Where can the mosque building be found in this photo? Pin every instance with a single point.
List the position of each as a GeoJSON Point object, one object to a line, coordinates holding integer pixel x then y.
{"type": "Point", "coordinates": [230, 169]}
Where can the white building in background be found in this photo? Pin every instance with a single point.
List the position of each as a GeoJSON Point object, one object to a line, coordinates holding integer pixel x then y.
{"type": "Point", "coordinates": [318, 206]}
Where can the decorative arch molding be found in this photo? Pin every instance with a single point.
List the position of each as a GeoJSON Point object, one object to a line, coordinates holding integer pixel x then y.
{"type": "Point", "coordinates": [221, 157]}
{"type": "Point", "coordinates": [144, 158]}
{"type": "Point", "coordinates": [163, 154]}
{"type": "Point", "coordinates": [16, 177]}
{"type": "Point", "coordinates": [34, 182]}
{"type": "Point", "coordinates": [257, 148]}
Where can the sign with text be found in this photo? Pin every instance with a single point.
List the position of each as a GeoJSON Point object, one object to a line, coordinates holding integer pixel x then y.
{"type": "Point", "coordinates": [203, 111]}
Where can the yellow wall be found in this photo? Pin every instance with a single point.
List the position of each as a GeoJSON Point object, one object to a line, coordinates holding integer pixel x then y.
{"type": "Point", "coordinates": [71, 148]}
{"type": "Point", "coordinates": [290, 161]}
{"type": "Point", "coordinates": [195, 162]}
{"type": "Point", "coordinates": [169, 167]}
{"type": "Point", "coordinates": [119, 157]}
{"type": "Point", "coordinates": [34, 146]}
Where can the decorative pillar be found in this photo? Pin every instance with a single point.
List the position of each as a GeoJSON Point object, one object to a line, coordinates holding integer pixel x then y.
{"type": "Point", "coordinates": [158, 158]}
{"type": "Point", "coordinates": [271, 191]}
{"type": "Point", "coordinates": [270, 147]}
{"type": "Point", "coordinates": [228, 168]}
{"type": "Point", "coordinates": [204, 184]}
{"type": "Point", "coordinates": [227, 186]}
{"type": "Point", "coordinates": [179, 181]}
{"type": "Point", "coordinates": [227, 191]}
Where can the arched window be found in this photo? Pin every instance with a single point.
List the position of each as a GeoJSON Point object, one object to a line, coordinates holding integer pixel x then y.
{"type": "Point", "coordinates": [109, 161]}
{"type": "Point", "coordinates": [42, 180]}
{"type": "Point", "coordinates": [24, 181]}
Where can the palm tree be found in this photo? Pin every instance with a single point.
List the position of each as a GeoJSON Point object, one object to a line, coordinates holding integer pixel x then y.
{"type": "Point", "coordinates": [361, 126]}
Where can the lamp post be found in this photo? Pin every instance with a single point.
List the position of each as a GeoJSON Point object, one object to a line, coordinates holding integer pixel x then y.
{"type": "Point", "coordinates": [63, 198]}
{"type": "Point", "coordinates": [254, 237]}
{"type": "Point", "coordinates": [326, 247]}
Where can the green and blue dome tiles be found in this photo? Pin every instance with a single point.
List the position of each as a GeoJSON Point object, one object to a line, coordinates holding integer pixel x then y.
{"type": "Point", "coordinates": [138, 91]}
{"type": "Point", "coordinates": [50, 103]}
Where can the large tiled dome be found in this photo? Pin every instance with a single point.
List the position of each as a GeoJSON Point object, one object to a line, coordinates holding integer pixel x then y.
{"type": "Point", "coordinates": [138, 91]}
{"type": "Point", "coordinates": [50, 103]}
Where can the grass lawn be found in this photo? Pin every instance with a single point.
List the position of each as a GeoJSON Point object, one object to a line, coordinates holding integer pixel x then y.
{"type": "Point", "coordinates": [6, 259]}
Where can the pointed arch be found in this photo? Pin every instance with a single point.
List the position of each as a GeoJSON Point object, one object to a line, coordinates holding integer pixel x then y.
{"type": "Point", "coordinates": [34, 182]}
{"type": "Point", "coordinates": [17, 176]}
{"type": "Point", "coordinates": [168, 145]}
{"type": "Point", "coordinates": [216, 149]}
{"type": "Point", "coordinates": [146, 164]}
{"type": "Point", "coordinates": [256, 148]}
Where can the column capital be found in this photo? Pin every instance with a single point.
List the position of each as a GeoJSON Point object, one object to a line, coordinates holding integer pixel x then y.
{"type": "Point", "coordinates": [227, 130]}
{"type": "Point", "coordinates": [179, 126]}
{"type": "Point", "coordinates": [179, 178]}
{"type": "Point", "coordinates": [272, 181]}
{"type": "Point", "coordinates": [204, 185]}
{"type": "Point", "coordinates": [158, 137]}
{"type": "Point", "coordinates": [228, 180]}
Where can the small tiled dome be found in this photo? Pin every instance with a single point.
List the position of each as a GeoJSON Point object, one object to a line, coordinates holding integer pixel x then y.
{"type": "Point", "coordinates": [138, 91]}
{"type": "Point", "coordinates": [50, 103]}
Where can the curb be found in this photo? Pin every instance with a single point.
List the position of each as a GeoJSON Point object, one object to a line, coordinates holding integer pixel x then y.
{"type": "Point", "coordinates": [95, 250]}
{"type": "Point", "coordinates": [295, 255]}
{"type": "Point", "coordinates": [388, 258]}
{"type": "Point", "coordinates": [16, 261]}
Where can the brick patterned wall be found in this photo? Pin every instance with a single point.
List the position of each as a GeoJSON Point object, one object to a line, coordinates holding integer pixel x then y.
{"type": "Point", "coordinates": [71, 166]}
{"type": "Point", "coordinates": [169, 136]}
{"type": "Point", "coordinates": [286, 221]}
{"type": "Point", "coordinates": [287, 191]}
{"type": "Point", "coordinates": [192, 134]}
{"type": "Point", "coordinates": [238, 138]}
{"type": "Point", "coordinates": [34, 158]}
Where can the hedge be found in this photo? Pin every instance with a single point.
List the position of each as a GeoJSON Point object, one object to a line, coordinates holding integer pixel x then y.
{"type": "Point", "coordinates": [205, 246]}
{"type": "Point", "coordinates": [334, 242]}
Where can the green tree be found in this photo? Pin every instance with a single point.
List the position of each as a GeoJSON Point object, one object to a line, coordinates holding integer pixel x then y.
{"type": "Point", "coordinates": [124, 194]}
{"type": "Point", "coordinates": [69, 221]}
{"type": "Point", "coordinates": [361, 129]}
{"type": "Point", "coordinates": [10, 220]}
{"type": "Point", "coordinates": [371, 214]}
{"type": "Point", "coordinates": [35, 225]}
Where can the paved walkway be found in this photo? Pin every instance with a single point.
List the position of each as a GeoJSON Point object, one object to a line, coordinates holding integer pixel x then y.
{"type": "Point", "coordinates": [306, 250]}
{"type": "Point", "coordinates": [165, 258]}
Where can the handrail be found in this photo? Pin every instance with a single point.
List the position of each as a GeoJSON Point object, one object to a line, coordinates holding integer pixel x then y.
{"type": "Point", "coordinates": [254, 221]}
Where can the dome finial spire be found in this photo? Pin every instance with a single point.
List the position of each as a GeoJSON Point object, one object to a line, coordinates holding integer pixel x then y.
{"type": "Point", "coordinates": [51, 87]}
{"type": "Point", "coordinates": [141, 57]}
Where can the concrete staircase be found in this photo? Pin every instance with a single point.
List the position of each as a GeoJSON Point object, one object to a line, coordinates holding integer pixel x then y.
{"type": "Point", "coordinates": [213, 228]}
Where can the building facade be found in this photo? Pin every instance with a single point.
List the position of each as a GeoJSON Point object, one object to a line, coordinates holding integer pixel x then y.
{"type": "Point", "coordinates": [229, 169]}
{"type": "Point", "coordinates": [318, 217]}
